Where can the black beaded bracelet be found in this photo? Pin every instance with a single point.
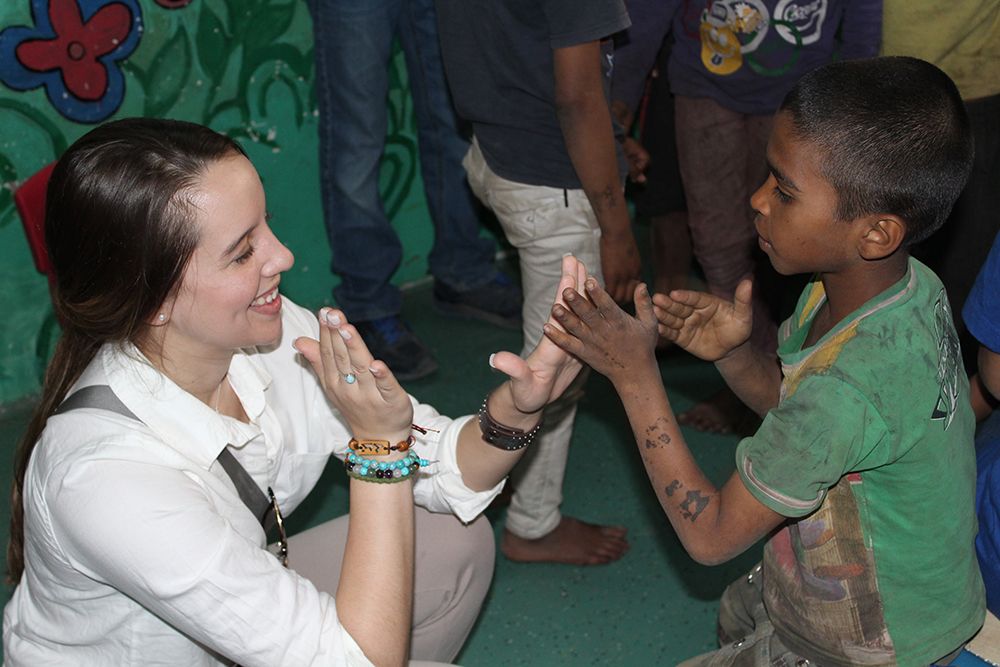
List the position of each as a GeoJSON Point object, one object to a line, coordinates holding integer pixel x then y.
{"type": "Point", "coordinates": [504, 437]}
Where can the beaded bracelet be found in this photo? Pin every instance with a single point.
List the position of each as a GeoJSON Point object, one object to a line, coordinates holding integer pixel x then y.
{"type": "Point", "coordinates": [383, 472]}
{"type": "Point", "coordinates": [504, 437]}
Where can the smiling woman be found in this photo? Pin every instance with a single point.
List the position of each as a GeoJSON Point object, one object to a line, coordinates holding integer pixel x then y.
{"type": "Point", "coordinates": [178, 424]}
{"type": "Point", "coordinates": [228, 297]}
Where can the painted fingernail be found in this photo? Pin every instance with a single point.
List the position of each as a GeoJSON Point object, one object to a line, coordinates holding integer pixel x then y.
{"type": "Point", "coordinates": [344, 333]}
{"type": "Point", "coordinates": [333, 318]}
{"type": "Point", "coordinates": [491, 360]}
{"type": "Point", "coordinates": [591, 284]}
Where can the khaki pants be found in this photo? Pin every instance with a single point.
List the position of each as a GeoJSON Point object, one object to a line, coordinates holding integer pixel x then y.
{"type": "Point", "coordinates": [453, 570]}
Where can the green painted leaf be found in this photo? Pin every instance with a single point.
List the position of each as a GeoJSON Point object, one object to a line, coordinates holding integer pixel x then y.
{"type": "Point", "coordinates": [37, 117]}
{"type": "Point", "coordinates": [168, 73]}
{"type": "Point", "coordinates": [293, 91]}
{"type": "Point", "coordinates": [267, 24]}
{"type": "Point", "coordinates": [214, 46]}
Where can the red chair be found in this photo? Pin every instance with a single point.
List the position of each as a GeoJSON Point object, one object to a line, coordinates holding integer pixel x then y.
{"type": "Point", "coordinates": [30, 201]}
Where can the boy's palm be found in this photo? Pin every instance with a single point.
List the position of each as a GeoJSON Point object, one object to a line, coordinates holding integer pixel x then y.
{"type": "Point", "coordinates": [703, 324]}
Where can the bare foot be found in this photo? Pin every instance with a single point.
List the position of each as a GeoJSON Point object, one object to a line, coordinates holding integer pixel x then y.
{"type": "Point", "coordinates": [572, 541]}
{"type": "Point", "coordinates": [721, 413]}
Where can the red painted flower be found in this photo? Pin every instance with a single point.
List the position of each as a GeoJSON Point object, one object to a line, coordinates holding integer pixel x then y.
{"type": "Point", "coordinates": [78, 46]}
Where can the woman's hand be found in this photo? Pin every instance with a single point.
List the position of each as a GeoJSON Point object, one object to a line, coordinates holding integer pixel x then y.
{"type": "Point", "coordinates": [374, 404]}
{"type": "Point", "coordinates": [601, 334]}
{"type": "Point", "coordinates": [544, 375]}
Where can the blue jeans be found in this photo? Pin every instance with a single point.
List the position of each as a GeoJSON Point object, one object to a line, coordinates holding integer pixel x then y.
{"type": "Point", "coordinates": [353, 41]}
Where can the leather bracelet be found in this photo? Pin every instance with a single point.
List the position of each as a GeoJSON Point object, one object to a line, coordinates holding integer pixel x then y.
{"type": "Point", "coordinates": [373, 447]}
{"type": "Point", "coordinates": [504, 437]}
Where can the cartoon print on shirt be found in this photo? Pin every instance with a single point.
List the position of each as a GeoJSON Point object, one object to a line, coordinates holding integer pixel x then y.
{"type": "Point", "coordinates": [730, 28]}
{"type": "Point", "coordinates": [948, 361]}
{"type": "Point", "coordinates": [732, 32]}
{"type": "Point", "coordinates": [800, 22]}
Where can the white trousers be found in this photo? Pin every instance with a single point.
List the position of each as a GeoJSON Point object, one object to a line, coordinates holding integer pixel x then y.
{"type": "Point", "coordinates": [543, 224]}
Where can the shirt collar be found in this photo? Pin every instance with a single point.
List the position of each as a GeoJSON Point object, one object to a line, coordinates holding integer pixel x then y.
{"type": "Point", "coordinates": [179, 419]}
{"type": "Point", "coordinates": [796, 359]}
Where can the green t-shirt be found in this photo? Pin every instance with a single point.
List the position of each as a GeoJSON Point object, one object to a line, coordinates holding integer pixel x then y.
{"type": "Point", "coordinates": [870, 453]}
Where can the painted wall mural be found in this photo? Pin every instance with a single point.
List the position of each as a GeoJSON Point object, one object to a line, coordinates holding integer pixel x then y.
{"type": "Point", "coordinates": [242, 67]}
{"type": "Point", "coordinates": [74, 51]}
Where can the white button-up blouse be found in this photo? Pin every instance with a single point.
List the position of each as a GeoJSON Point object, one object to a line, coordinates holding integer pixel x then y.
{"type": "Point", "coordinates": [139, 550]}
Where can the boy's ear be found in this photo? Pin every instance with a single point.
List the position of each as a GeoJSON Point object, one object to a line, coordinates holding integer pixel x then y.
{"type": "Point", "coordinates": [881, 235]}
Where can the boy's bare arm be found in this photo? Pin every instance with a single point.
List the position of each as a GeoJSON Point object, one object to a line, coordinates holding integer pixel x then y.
{"type": "Point", "coordinates": [753, 375]}
{"type": "Point", "coordinates": [585, 120]}
{"type": "Point", "coordinates": [717, 330]}
{"type": "Point", "coordinates": [714, 524]}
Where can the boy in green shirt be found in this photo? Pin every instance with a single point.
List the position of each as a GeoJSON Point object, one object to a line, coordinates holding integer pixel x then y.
{"type": "Point", "coordinates": [862, 473]}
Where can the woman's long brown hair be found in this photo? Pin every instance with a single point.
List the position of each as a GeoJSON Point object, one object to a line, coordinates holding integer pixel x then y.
{"type": "Point", "coordinates": [119, 233]}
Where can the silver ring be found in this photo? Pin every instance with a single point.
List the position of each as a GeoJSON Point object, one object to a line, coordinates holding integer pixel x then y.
{"type": "Point", "coordinates": [350, 378]}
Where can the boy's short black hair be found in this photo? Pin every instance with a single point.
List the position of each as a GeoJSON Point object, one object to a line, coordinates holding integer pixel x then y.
{"type": "Point", "coordinates": [895, 135]}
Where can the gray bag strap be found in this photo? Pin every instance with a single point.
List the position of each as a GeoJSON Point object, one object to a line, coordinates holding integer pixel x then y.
{"type": "Point", "coordinates": [101, 397]}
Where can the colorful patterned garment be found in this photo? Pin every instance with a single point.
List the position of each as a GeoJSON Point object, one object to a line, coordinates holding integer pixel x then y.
{"type": "Point", "coordinates": [870, 455]}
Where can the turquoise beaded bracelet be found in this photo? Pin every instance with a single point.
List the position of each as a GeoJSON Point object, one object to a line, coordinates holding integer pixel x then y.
{"type": "Point", "coordinates": [383, 472]}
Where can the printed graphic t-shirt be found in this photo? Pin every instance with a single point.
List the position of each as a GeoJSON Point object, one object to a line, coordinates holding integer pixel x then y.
{"type": "Point", "coordinates": [870, 453]}
{"type": "Point", "coordinates": [747, 54]}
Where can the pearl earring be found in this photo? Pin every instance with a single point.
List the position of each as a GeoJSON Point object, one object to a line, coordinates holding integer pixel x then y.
{"type": "Point", "coordinates": [161, 318]}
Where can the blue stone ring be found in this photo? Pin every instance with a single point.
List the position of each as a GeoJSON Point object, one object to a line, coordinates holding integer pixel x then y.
{"type": "Point", "coordinates": [350, 378]}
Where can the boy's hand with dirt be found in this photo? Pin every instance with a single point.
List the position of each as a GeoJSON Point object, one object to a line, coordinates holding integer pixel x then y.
{"type": "Point", "coordinates": [705, 325]}
{"type": "Point", "coordinates": [601, 334]}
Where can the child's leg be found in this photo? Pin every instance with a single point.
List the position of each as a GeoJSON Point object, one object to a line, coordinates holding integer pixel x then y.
{"type": "Point", "coordinates": [722, 162]}
{"type": "Point", "coordinates": [544, 224]}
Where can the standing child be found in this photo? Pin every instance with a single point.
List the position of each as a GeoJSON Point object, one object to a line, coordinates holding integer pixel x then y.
{"type": "Point", "coordinates": [863, 472]}
{"type": "Point", "coordinates": [533, 79]}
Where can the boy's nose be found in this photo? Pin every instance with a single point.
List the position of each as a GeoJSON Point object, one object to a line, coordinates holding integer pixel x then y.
{"type": "Point", "coordinates": [758, 200]}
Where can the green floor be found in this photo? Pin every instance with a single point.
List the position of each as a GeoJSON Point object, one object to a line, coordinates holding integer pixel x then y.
{"type": "Point", "coordinates": [653, 607]}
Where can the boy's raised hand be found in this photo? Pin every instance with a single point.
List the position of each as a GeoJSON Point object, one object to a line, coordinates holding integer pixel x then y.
{"type": "Point", "coordinates": [601, 334]}
{"type": "Point", "coordinates": [703, 324]}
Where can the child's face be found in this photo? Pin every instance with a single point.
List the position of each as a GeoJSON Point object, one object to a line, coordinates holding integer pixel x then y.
{"type": "Point", "coordinates": [796, 208]}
